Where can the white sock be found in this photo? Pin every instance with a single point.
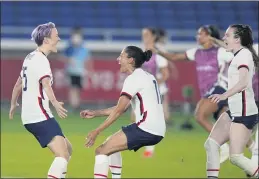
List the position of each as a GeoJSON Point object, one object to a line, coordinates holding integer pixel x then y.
{"type": "Point", "coordinates": [65, 171]}
{"type": "Point", "coordinates": [101, 166]}
{"type": "Point", "coordinates": [57, 167]}
{"type": "Point", "coordinates": [251, 146]}
{"type": "Point", "coordinates": [150, 148]}
{"type": "Point", "coordinates": [224, 146]}
{"type": "Point", "coordinates": [115, 164]}
{"type": "Point", "coordinates": [213, 162]}
{"type": "Point", "coordinates": [244, 163]}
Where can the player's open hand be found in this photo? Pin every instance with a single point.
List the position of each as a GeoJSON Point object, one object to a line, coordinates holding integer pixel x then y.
{"type": "Point", "coordinates": [91, 137]}
{"type": "Point", "coordinates": [62, 112]}
{"type": "Point", "coordinates": [87, 114]}
{"type": "Point", "coordinates": [12, 109]}
{"type": "Point", "coordinates": [215, 98]}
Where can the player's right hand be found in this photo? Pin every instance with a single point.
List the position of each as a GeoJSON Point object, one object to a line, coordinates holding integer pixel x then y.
{"type": "Point", "coordinates": [62, 112]}
{"type": "Point", "coordinates": [12, 109]}
{"type": "Point", "coordinates": [87, 114]}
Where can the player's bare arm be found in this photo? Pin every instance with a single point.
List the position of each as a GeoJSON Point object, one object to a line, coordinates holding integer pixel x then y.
{"type": "Point", "coordinates": [218, 42]}
{"type": "Point", "coordinates": [88, 114]}
{"type": "Point", "coordinates": [15, 95]}
{"type": "Point", "coordinates": [46, 83]}
{"type": "Point", "coordinates": [240, 86]}
{"type": "Point", "coordinates": [123, 103]}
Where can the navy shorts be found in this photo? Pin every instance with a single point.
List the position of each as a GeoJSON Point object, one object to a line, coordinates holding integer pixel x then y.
{"type": "Point", "coordinates": [249, 121]}
{"type": "Point", "coordinates": [138, 138]}
{"type": "Point", "coordinates": [221, 104]}
{"type": "Point", "coordinates": [45, 131]}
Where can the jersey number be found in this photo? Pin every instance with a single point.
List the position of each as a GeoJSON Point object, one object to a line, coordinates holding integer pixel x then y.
{"type": "Point", "coordinates": [24, 78]}
{"type": "Point", "coordinates": [159, 101]}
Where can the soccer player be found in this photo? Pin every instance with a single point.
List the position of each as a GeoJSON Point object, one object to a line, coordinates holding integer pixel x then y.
{"type": "Point", "coordinates": [252, 145]}
{"type": "Point", "coordinates": [140, 89]}
{"type": "Point", "coordinates": [236, 124]}
{"type": "Point", "coordinates": [157, 66]}
{"type": "Point", "coordinates": [35, 82]}
{"type": "Point", "coordinates": [211, 63]}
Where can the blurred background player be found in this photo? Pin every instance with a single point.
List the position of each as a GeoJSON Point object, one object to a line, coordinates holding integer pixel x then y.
{"type": "Point", "coordinates": [78, 64]}
{"type": "Point", "coordinates": [157, 66]}
{"type": "Point", "coordinates": [236, 125]}
{"type": "Point", "coordinates": [141, 90]}
{"type": "Point", "coordinates": [211, 62]}
{"type": "Point", "coordinates": [35, 82]}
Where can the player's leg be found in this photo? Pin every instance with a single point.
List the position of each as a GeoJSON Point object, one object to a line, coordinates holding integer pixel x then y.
{"type": "Point", "coordinates": [70, 150]}
{"type": "Point", "coordinates": [218, 136]}
{"type": "Point", "coordinates": [57, 143]}
{"type": "Point", "coordinates": [166, 108]}
{"type": "Point", "coordinates": [49, 134]}
{"type": "Point", "coordinates": [59, 148]}
{"type": "Point", "coordinates": [240, 132]}
{"type": "Point", "coordinates": [115, 164]}
{"type": "Point", "coordinates": [204, 109]}
{"type": "Point", "coordinates": [113, 145]}
{"type": "Point", "coordinates": [224, 148]}
{"type": "Point", "coordinates": [74, 91]}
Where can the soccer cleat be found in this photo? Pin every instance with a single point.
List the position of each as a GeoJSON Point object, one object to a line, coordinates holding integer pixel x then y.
{"type": "Point", "coordinates": [224, 152]}
{"type": "Point", "coordinates": [148, 154]}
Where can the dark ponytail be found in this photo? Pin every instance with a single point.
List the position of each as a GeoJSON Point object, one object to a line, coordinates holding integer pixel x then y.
{"type": "Point", "coordinates": [212, 30]}
{"type": "Point", "coordinates": [244, 33]}
{"type": "Point", "coordinates": [139, 56]}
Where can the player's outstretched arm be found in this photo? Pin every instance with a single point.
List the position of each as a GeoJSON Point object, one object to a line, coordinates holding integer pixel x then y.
{"type": "Point", "coordinates": [172, 56]}
{"type": "Point", "coordinates": [15, 95]}
{"type": "Point", "coordinates": [88, 114]}
{"type": "Point", "coordinates": [62, 112]}
{"type": "Point", "coordinates": [123, 103]}
{"type": "Point", "coordinates": [218, 42]}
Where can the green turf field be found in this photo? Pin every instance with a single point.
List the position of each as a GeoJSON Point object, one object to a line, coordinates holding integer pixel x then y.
{"type": "Point", "coordinates": [180, 154]}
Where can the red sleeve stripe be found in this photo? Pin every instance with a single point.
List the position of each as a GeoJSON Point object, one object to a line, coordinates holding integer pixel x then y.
{"type": "Point", "coordinates": [243, 66]}
{"type": "Point", "coordinates": [126, 94]}
{"type": "Point", "coordinates": [45, 76]}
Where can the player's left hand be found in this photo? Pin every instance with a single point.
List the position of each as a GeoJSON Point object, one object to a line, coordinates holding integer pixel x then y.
{"type": "Point", "coordinates": [215, 98]}
{"type": "Point", "coordinates": [91, 137]}
{"type": "Point", "coordinates": [12, 109]}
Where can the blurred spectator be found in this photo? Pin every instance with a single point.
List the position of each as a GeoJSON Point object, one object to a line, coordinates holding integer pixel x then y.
{"type": "Point", "coordinates": [78, 58]}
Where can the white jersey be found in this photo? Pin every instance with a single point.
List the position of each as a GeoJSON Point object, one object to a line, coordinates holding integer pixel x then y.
{"type": "Point", "coordinates": [223, 57]}
{"type": "Point", "coordinates": [141, 87]}
{"type": "Point", "coordinates": [161, 62]}
{"type": "Point", "coordinates": [35, 103]}
{"type": "Point", "coordinates": [242, 103]}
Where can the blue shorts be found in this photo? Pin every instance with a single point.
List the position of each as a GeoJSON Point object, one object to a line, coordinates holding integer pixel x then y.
{"type": "Point", "coordinates": [45, 131]}
{"type": "Point", "coordinates": [137, 138]}
{"type": "Point", "coordinates": [248, 121]}
{"type": "Point", "coordinates": [221, 104]}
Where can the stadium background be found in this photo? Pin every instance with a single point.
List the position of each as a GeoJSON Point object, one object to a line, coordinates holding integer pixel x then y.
{"type": "Point", "coordinates": [108, 27]}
